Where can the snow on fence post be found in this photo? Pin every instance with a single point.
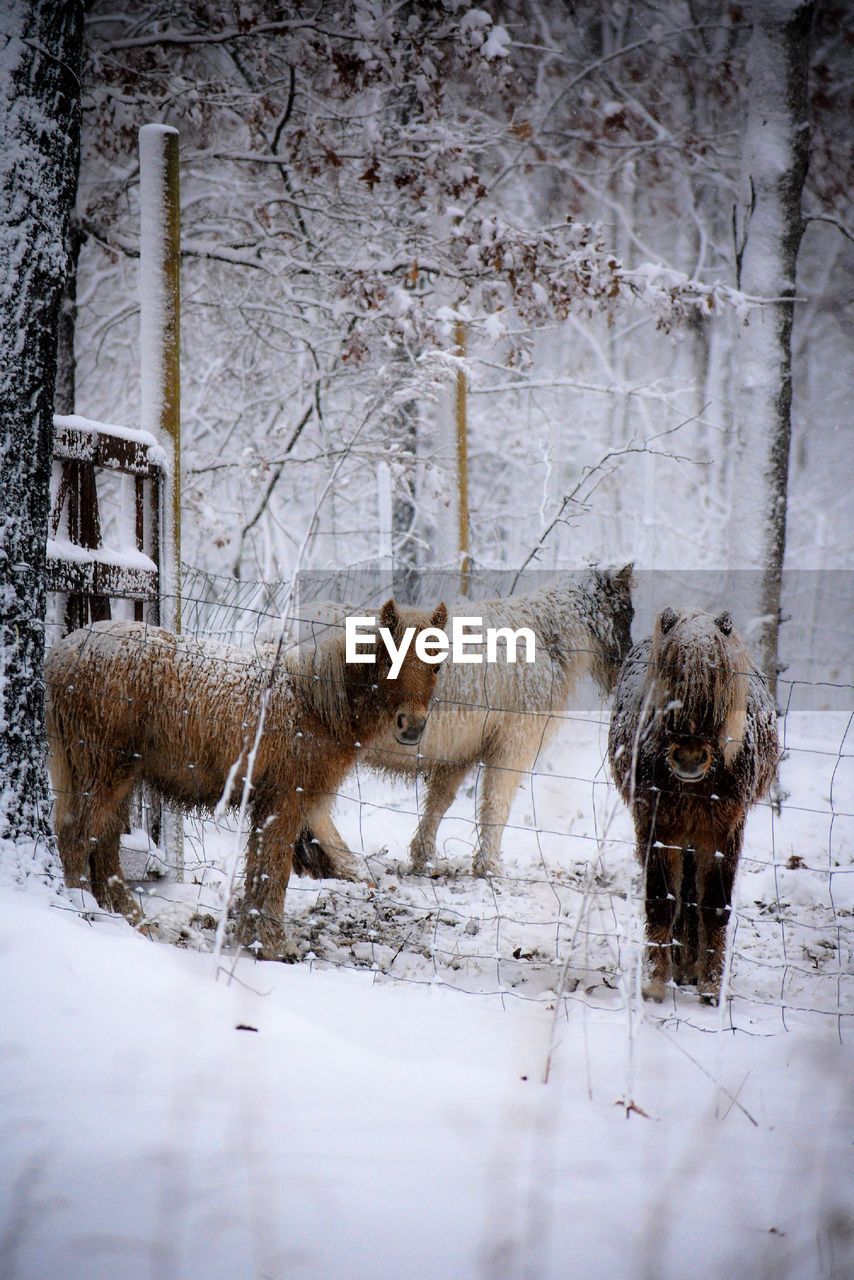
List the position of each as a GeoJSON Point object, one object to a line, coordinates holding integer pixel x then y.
{"type": "Point", "coordinates": [160, 377]}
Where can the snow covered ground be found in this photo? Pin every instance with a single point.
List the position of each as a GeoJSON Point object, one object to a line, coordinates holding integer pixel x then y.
{"type": "Point", "coordinates": [379, 1110]}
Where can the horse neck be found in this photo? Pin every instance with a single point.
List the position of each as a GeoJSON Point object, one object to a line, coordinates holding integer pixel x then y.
{"type": "Point", "coordinates": [333, 693]}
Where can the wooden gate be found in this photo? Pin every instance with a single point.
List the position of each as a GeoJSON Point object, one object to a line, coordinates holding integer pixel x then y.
{"type": "Point", "coordinates": [88, 580]}
{"type": "Point", "coordinates": [86, 574]}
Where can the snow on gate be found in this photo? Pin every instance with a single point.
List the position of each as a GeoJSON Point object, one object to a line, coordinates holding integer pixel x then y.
{"type": "Point", "coordinates": [83, 574]}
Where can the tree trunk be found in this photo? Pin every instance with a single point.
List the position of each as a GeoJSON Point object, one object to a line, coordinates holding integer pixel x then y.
{"type": "Point", "coordinates": [40, 67]}
{"type": "Point", "coordinates": [65, 390]}
{"type": "Point", "coordinates": [403, 511]}
{"type": "Point", "coordinates": [769, 225]}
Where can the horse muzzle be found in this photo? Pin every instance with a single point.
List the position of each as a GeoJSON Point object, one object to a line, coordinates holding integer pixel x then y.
{"type": "Point", "coordinates": [409, 729]}
{"type": "Point", "coordinates": [689, 761]}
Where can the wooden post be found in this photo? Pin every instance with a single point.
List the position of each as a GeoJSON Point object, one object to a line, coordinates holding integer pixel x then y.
{"type": "Point", "coordinates": [159, 275]}
{"type": "Point", "coordinates": [160, 380]}
{"type": "Point", "coordinates": [462, 463]}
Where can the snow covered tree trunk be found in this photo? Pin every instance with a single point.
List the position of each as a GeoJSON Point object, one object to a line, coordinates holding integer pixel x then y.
{"type": "Point", "coordinates": [461, 428]}
{"type": "Point", "coordinates": [769, 226]}
{"type": "Point", "coordinates": [404, 437]}
{"type": "Point", "coordinates": [65, 392]}
{"type": "Point", "coordinates": [40, 67]}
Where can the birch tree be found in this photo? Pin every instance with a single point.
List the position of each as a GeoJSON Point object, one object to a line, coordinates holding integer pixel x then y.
{"type": "Point", "coordinates": [769, 226]}
{"type": "Point", "coordinates": [40, 67]}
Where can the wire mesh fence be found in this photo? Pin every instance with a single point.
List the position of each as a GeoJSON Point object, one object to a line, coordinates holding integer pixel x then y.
{"type": "Point", "coordinates": [560, 918]}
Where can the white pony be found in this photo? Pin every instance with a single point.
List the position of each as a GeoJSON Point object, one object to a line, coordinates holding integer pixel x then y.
{"type": "Point", "coordinates": [495, 714]}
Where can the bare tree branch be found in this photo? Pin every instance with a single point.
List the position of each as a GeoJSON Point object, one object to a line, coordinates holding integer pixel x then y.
{"type": "Point", "coordinates": [597, 472]}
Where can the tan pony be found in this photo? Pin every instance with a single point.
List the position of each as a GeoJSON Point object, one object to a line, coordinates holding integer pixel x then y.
{"type": "Point", "coordinates": [499, 714]}
{"type": "Point", "coordinates": [127, 703]}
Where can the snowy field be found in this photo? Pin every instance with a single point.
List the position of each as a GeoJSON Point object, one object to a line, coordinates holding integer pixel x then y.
{"type": "Point", "coordinates": [380, 1110]}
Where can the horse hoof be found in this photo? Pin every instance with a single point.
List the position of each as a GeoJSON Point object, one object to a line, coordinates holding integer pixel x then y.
{"type": "Point", "coordinates": [278, 947]}
{"type": "Point", "coordinates": [656, 989]}
{"type": "Point", "coordinates": [264, 939]}
{"type": "Point", "coordinates": [117, 898]}
{"type": "Point", "coordinates": [348, 870]}
{"type": "Point", "coordinates": [420, 856]}
{"type": "Point", "coordinates": [284, 952]}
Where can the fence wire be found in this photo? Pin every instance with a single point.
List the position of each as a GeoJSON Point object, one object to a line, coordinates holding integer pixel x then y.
{"type": "Point", "coordinates": [561, 920]}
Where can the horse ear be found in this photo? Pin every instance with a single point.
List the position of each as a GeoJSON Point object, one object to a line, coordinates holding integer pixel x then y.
{"type": "Point", "coordinates": [388, 615]}
{"type": "Point", "coordinates": [723, 622]}
{"type": "Point", "coordinates": [440, 617]}
{"type": "Point", "coordinates": [625, 577]}
{"type": "Point", "coordinates": [667, 619]}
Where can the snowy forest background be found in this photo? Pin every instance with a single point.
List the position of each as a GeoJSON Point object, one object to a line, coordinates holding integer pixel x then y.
{"type": "Point", "coordinates": [560, 187]}
{"type": "Point", "coordinates": [571, 195]}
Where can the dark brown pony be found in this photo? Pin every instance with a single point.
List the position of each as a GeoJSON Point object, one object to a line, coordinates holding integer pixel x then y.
{"type": "Point", "coordinates": [692, 745]}
{"type": "Point", "coordinates": [130, 703]}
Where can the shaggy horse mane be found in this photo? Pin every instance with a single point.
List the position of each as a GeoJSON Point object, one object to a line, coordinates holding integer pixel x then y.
{"type": "Point", "coordinates": [699, 675]}
{"type": "Point", "coordinates": [320, 673]}
{"type": "Point", "coordinates": [578, 619]}
{"type": "Point", "coordinates": [321, 680]}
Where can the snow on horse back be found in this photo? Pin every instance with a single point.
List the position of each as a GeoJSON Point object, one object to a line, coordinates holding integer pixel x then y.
{"type": "Point", "coordinates": [199, 722]}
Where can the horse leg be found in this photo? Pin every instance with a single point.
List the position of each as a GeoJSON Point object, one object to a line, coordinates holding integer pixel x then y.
{"type": "Point", "coordinates": [715, 878]}
{"type": "Point", "coordinates": [70, 817]}
{"type": "Point", "coordinates": [269, 859]}
{"type": "Point", "coordinates": [321, 851]}
{"type": "Point", "coordinates": [108, 883]}
{"type": "Point", "coordinates": [89, 817]}
{"type": "Point", "coordinates": [443, 783]}
{"type": "Point", "coordinates": [686, 925]}
{"type": "Point", "coordinates": [662, 893]}
{"type": "Point", "coordinates": [499, 785]}
{"type": "Point", "coordinates": [74, 778]}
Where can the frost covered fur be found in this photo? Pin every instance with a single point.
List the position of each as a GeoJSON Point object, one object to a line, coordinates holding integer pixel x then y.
{"type": "Point", "coordinates": [500, 714]}
{"type": "Point", "coordinates": [128, 703]}
{"type": "Point", "coordinates": [692, 745]}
